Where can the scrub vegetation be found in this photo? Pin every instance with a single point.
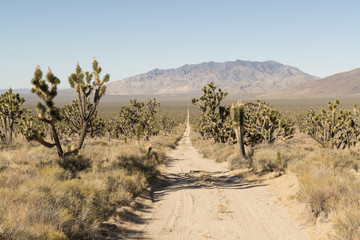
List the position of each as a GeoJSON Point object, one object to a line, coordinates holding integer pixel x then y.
{"type": "Point", "coordinates": [67, 170]}
{"type": "Point", "coordinates": [320, 147]}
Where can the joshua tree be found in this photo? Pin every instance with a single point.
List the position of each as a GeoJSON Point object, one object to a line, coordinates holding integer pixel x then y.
{"type": "Point", "coordinates": [138, 132]}
{"type": "Point", "coordinates": [333, 128]}
{"type": "Point", "coordinates": [237, 114]}
{"type": "Point", "coordinates": [261, 122]}
{"type": "Point", "coordinates": [210, 100]}
{"type": "Point", "coordinates": [148, 118]}
{"type": "Point", "coordinates": [10, 111]}
{"type": "Point", "coordinates": [72, 121]}
{"type": "Point", "coordinates": [139, 113]}
{"type": "Point", "coordinates": [129, 117]}
{"type": "Point", "coordinates": [32, 128]}
{"type": "Point", "coordinates": [167, 123]}
{"type": "Point", "coordinates": [265, 124]}
{"type": "Point", "coordinates": [85, 85]}
{"type": "Point", "coordinates": [49, 114]}
{"type": "Point", "coordinates": [214, 116]}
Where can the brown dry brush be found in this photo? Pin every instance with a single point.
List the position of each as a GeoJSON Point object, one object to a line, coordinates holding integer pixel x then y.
{"type": "Point", "coordinates": [40, 200]}
{"type": "Point", "coordinates": [331, 190]}
{"type": "Point", "coordinates": [70, 194]}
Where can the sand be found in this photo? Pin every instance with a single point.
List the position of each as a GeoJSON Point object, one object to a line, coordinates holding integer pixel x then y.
{"type": "Point", "coordinates": [204, 201]}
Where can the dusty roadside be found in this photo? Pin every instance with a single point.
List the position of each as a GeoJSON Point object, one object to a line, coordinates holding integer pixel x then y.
{"type": "Point", "coordinates": [204, 201]}
{"type": "Point", "coordinates": [284, 188]}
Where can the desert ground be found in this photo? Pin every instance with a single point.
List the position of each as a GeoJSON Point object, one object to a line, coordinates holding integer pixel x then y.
{"type": "Point", "coordinates": [178, 184]}
{"type": "Point", "coordinates": [204, 201]}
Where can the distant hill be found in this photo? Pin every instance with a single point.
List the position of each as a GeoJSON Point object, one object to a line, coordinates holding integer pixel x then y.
{"type": "Point", "coordinates": [345, 84]}
{"type": "Point", "coordinates": [234, 77]}
{"type": "Point", "coordinates": [17, 90]}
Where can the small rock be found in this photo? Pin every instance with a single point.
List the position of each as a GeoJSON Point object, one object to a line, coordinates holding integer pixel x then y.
{"type": "Point", "coordinates": [323, 218]}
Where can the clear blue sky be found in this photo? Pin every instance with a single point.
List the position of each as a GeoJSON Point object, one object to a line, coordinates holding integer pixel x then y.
{"type": "Point", "coordinates": [320, 37]}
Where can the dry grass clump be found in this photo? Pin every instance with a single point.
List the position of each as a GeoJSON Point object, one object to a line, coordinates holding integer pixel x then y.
{"type": "Point", "coordinates": [269, 160]}
{"type": "Point", "coordinates": [44, 198]}
{"type": "Point", "coordinates": [331, 190]}
{"type": "Point", "coordinates": [48, 204]}
{"type": "Point", "coordinates": [236, 161]}
{"type": "Point", "coordinates": [220, 152]}
{"type": "Point", "coordinates": [346, 222]}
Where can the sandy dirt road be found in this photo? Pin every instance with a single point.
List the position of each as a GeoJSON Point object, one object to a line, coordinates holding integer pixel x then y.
{"type": "Point", "coordinates": [202, 201]}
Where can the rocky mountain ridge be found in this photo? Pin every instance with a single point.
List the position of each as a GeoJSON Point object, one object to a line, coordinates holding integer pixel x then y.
{"type": "Point", "coordinates": [345, 84]}
{"type": "Point", "coordinates": [234, 77]}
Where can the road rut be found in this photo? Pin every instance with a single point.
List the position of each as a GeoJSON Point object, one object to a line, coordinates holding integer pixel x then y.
{"type": "Point", "coordinates": [202, 201]}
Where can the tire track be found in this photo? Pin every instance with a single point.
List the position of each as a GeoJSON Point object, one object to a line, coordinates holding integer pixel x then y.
{"type": "Point", "coordinates": [203, 201]}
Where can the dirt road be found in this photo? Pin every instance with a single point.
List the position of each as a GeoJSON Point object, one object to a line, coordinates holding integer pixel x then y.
{"type": "Point", "coordinates": [203, 201]}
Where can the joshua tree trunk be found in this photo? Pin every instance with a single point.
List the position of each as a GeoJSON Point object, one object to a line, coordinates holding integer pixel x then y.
{"type": "Point", "coordinates": [241, 141]}
{"type": "Point", "coordinates": [239, 131]}
{"type": "Point", "coordinates": [57, 141]}
{"type": "Point", "coordinates": [11, 126]}
{"type": "Point", "coordinates": [237, 118]}
{"type": "Point", "coordinates": [82, 135]}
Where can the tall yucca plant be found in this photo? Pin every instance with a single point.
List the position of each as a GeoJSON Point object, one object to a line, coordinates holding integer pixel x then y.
{"type": "Point", "coordinates": [333, 127]}
{"type": "Point", "coordinates": [237, 115]}
{"type": "Point", "coordinates": [46, 89]}
{"type": "Point", "coordinates": [10, 111]}
{"type": "Point", "coordinates": [85, 85]}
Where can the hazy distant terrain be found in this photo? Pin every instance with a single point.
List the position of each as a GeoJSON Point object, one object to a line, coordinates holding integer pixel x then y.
{"type": "Point", "coordinates": [345, 84]}
{"type": "Point", "coordinates": [18, 90]}
{"type": "Point", "coordinates": [235, 77]}
{"type": "Point", "coordinates": [242, 79]}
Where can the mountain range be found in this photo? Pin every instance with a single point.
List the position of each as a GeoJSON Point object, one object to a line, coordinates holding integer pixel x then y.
{"type": "Point", "coordinates": [17, 90]}
{"type": "Point", "coordinates": [234, 77]}
{"type": "Point", "coordinates": [263, 80]}
{"type": "Point", "coordinates": [345, 84]}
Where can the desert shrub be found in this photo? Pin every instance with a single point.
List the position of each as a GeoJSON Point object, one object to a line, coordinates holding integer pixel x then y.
{"type": "Point", "coordinates": [51, 206]}
{"type": "Point", "coordinates": [236, 161]}
{"type": "Point", "coordinates": [88, 206]}
{"type": "Point", "coordinates": [330, 189]}
{"type": "Point", "coordinates": [320, 190]}
{"type": "Point", "coordinates": [347, 222]}
{"type": "Point", "coordinates": [267, 159]}
{"type": "Point", "coordinates": [134, 165]}
{"type": "Point", "coordinates": [220, 152]}
{"type": "Point", "coordinates": [207, 151]}
{"type": "Point", "coordinates": [4, 164]}
{"type": "Point", "coordinates": [74, 163]}
{"type": "Point", "coordinates": [320, 186]}
{"type": "Point", "coordinates": [45, 207]}
{"type": "Point", "coordinates": [39, 199]}
{"type": "Point", "coordinates": [122, 188]}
